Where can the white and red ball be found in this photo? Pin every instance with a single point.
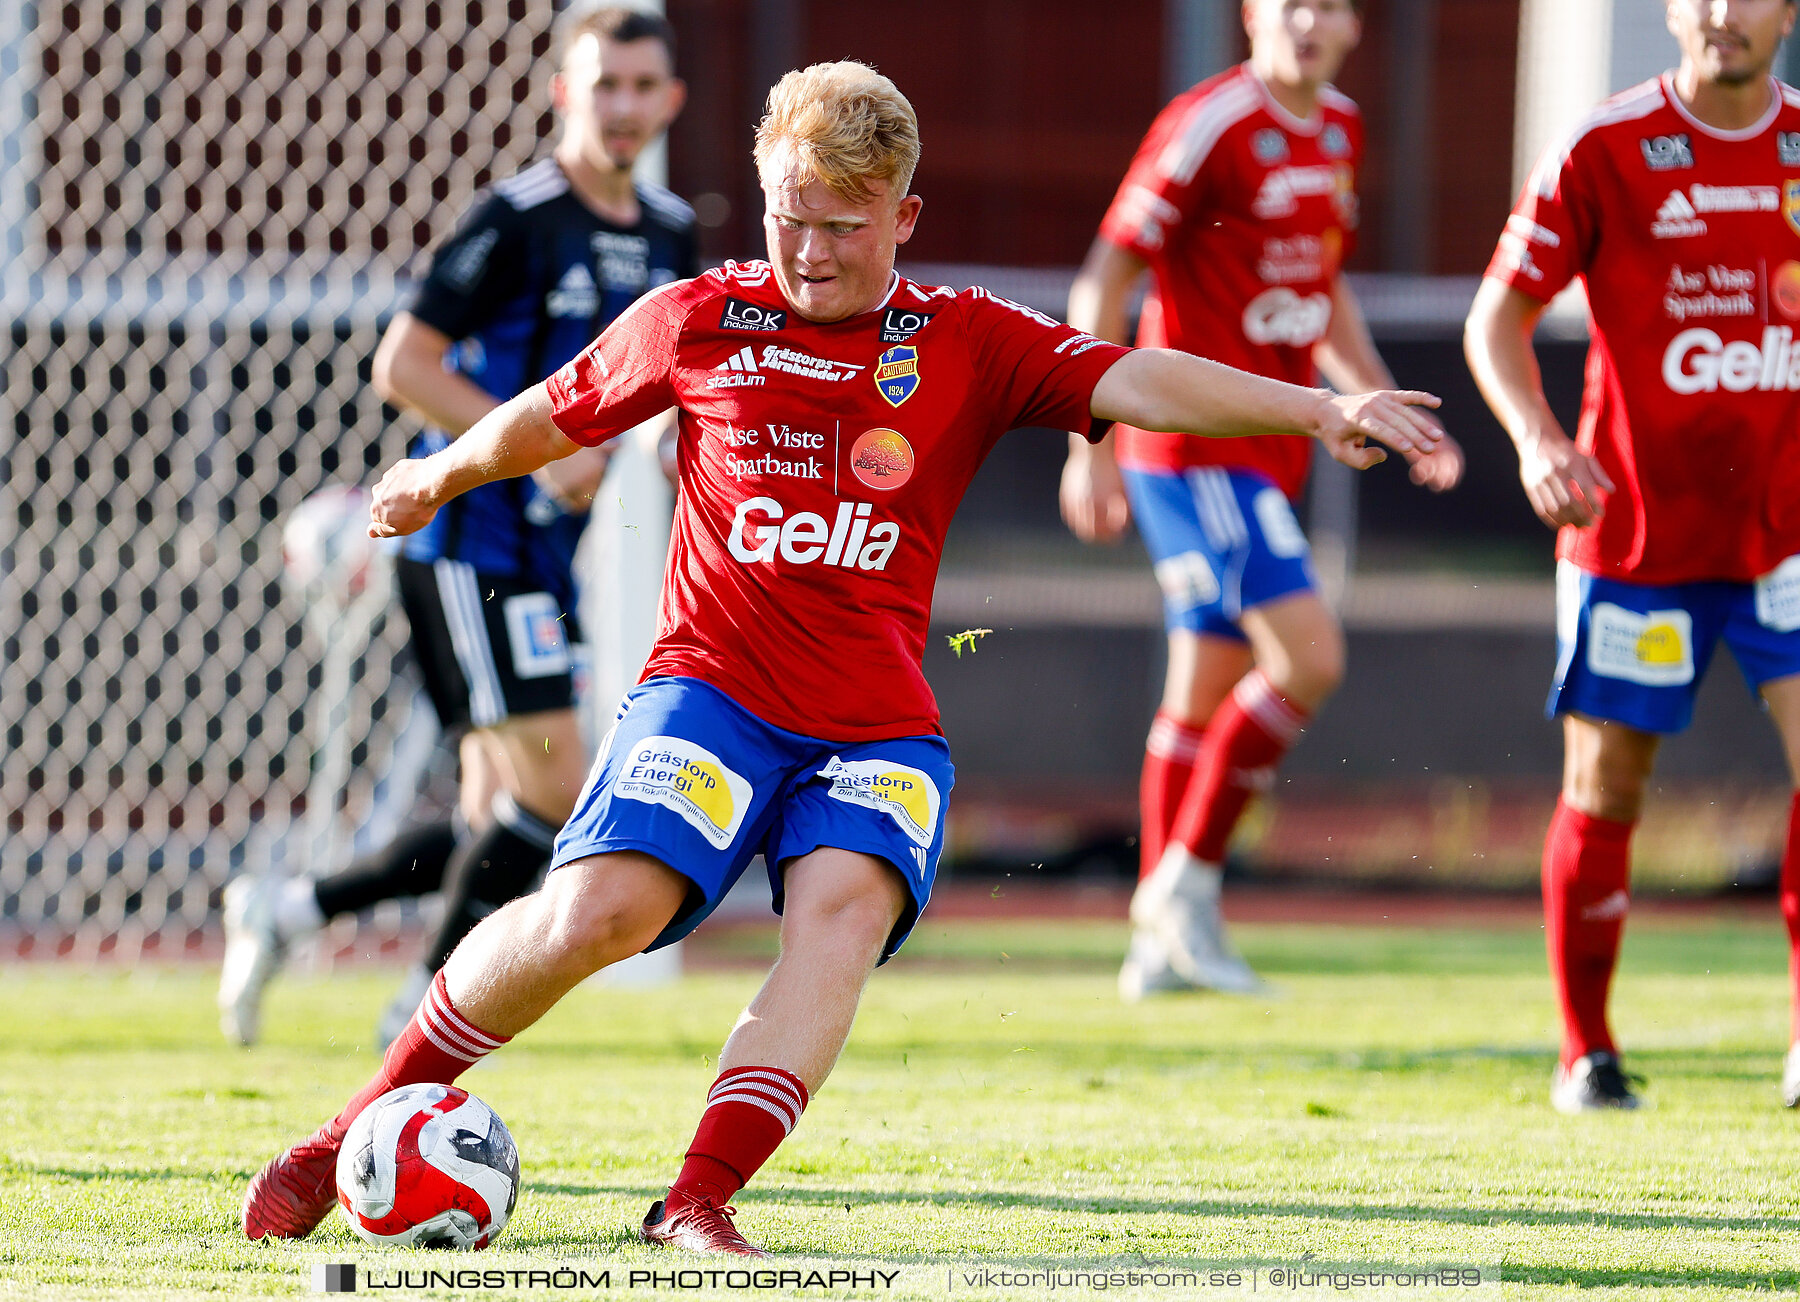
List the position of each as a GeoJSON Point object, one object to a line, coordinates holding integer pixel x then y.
{"type": "Point", "coordinates": [428, 1166]}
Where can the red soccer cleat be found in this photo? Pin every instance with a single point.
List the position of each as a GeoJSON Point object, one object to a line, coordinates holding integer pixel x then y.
{"type": "Point", "coordinates": [295, 1191]}
{"type": "Point", "coordinates": [697, 1227]}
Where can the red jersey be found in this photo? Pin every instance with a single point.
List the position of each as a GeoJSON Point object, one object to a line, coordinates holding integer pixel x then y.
{"type": "Point", "coordinates": [820, 466]}
{"type": "Point", "coordinates": [1687, 240]}
{"type": "Point", "coordinates": [1245, 213]}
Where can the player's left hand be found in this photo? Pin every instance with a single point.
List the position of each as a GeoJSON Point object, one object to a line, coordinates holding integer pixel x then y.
{"type": "Point", "coordinates": [1390, 416]}
{"type": "Point", "coordinates": [404, 500]}
{"type": "Point", "coordinates": [1441, 469]}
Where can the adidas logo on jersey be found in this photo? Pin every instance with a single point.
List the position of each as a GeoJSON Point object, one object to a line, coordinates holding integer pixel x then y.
{"type": "Point", "coordinates": [1676, 219]}
{"type": "Point", "coordinates": [737, 371]}
{"type": "Point", "coordinates": [575, 294]}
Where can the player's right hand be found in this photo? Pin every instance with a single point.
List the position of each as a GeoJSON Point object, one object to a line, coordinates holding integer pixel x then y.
{"type": "Point", "coordinates": [403, 501]}
{"type": "Point", "coordinates": [1390, 416]}
{"type": "Point", "coordinates": [1092, 497]}
{"type": "Point", "coordinates": [1563, 483]}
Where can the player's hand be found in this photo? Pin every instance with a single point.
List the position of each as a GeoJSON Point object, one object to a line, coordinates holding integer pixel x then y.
{"type": "Point", "coordinates": [1390, 416]}
{"type": "Point", "coordinates": [1441, 469]}
{"type": "Point", "coordinates": [1092, 496]}
{"type": "Point", "coordinates": [404, 500]}
{"type": "Point", "coordinates": [1563, 483]}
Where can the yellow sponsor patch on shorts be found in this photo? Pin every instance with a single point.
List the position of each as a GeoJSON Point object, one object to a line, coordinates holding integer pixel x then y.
{"type": "Point", "coordinates": [904, 793]}
{"type": "Point", "coordinates": [690, 780]}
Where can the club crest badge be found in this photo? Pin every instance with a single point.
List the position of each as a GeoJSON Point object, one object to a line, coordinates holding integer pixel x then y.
{"type": "Point", "coordinates": [897, 374]}
{"type": "Point", "coordinates": [1790, 205]}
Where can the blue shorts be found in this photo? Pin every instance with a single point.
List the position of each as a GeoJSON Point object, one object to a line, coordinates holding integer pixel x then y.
{"type": "Point", "coordinates": [690, 777]}
{"type": "Point", "coordinates": [1223, 542]}
{"type": "Point", "coordinates": [1634, 653]}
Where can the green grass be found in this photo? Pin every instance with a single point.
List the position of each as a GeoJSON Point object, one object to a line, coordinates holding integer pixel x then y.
{"type": "Point", "coordinates": [996, 1104]}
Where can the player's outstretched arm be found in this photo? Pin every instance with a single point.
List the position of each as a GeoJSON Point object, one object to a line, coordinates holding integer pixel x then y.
{"type": "Point", "coordinates": [1563, 483]}
{"type": "Point", "coordinates": [514, 439]}
{"type": "Point", "coordinates": [1092, 495]}
{"type": "Point", "coordinates": [1160, 389]}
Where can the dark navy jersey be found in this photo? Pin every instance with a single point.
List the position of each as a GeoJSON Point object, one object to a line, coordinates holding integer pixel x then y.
{"type": "Point", "coordinates": [530, 277]}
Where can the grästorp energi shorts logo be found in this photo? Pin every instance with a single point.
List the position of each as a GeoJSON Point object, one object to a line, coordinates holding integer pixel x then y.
{"type": "Point", "coordinates": [1655, 649]}
{"type": "Point", "coordinates": [897, 374]}
{"type": "Point", "coordinates": [690, 780]}
{"type": "Point", "coordinates": [903, 793]}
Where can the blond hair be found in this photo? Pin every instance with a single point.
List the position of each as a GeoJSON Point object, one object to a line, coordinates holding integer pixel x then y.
{"type": "Point", "coordinates": [847, 124]}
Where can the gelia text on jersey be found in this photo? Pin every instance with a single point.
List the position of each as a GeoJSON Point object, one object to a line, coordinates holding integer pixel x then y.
{"type": "Point", "coordinates": [1699, 361]}
{"type": "Point", "coordinates": [762, 530]}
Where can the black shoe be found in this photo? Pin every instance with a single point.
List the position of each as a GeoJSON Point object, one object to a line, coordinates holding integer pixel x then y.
{"type": "Point", "coordinates": [1595, 1083]}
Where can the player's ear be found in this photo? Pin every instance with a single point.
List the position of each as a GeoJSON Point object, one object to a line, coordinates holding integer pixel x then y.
{"type": "Point", "coordinates": [677, 100]}
{"type": "Point", "coordinates": [559, 93]}
{"type": "Point", "coordinates": [906, 217]}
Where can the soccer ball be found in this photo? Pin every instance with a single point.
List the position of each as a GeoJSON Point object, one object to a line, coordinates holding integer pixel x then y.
{"type": "Point", "coordinates": [326, 550]}
{"type": "Point", "coordinates": [428, 1166]}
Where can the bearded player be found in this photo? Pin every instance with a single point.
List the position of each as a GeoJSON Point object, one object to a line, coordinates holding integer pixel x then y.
{"type": "Point", "coordinates": [832, 416]}
{"type": "Point", "coordinates": [1242, 204]}
{"type": "Point", "coordinates": [1677, 205]}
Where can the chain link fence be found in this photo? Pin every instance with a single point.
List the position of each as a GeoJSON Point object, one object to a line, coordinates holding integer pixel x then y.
{"type": "Point", "coordinates": [206, 209]}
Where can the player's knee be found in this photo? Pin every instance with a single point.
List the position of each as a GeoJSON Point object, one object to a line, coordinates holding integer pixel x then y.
{"type": "Point", "coordinates": [1312, 673]}
{"type": "Point", "coordinates": [593, 919]}
{"type": "Point", "coordinates": [858, 913]}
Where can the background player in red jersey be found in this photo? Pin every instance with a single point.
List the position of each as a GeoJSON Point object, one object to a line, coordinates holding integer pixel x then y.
{"type": "Point", "coordinates": [1676, 204]}
{"type": "Point", "coordinates": [1242, 202]}
{"type": "Point", "coordinates": [826, 438]}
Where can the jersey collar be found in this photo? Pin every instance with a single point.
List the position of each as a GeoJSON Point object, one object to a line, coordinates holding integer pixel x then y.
{"type": "Point", "coordinates": [1750, 132]}
{"type": "Point", "coordinates": [1298, 125]}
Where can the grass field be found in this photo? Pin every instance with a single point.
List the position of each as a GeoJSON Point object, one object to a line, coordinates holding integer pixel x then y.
{"type": "Point", "coordinates": [996, 1105]}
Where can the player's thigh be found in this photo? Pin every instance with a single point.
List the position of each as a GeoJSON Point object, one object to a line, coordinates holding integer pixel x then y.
{"type": "Point", "coordinates": [1203, 668]}
{"type": "Point", "coordinates": [830, 893]}
{"type": "Point", "coordinates": [1763, 632]}
{"type": "Point", "coordinates": [881, 801]}
{"type": "Point", "coordinates": [690, 778]}
{"type": "Point", "coordinates": [1299, 645]}
{"type": "Point", "coordinates": [1192, 552]}
{"type": "Point", "coordinates": [540, 760]}
{"type": "Point", "coordinates": [480, 780]}
{"type": "Point", "coordinates": [1633, 654]}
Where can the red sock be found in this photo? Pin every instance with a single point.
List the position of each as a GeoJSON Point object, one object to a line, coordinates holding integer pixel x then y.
{"type": "Point", "coordinates": [1790, 909]}
{"type": "Point", "coordinates": [1587, 893]}
{"type": "Point", "coordinates": [437, 1046]}
{"type": "Point", "coordinates": [1245, 739]}
{"type": "Point", "coordinates": [749, 1111]}
{"type": "Point", "coordinates": [1168, 765]}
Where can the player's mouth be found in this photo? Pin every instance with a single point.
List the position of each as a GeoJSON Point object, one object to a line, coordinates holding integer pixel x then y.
{"type": "Point", "coordinates": [815, 280]}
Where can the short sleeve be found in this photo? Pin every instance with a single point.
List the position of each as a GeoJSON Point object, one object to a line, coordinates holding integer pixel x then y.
{"type": "Point", "coordinates": [626, 376]}
{"type": "Point", "coordinates": [1165, 186]}
{"type": "Point", "coordinates": [474, 272]}
{"type": "Point", "coordinates": [1549, 237]}
{"type": "Point", "coordinates": [1038, 370]}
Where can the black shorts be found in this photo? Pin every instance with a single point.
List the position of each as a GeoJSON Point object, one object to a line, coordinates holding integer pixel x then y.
{"type": "Point", "coordinates": [488, 646]}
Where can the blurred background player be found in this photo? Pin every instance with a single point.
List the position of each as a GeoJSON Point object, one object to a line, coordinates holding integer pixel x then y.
{"type": "Point", "coordinates": [1242, 202]}
{"type": "Point", "coordinates": [536, 269]}
{"type": "Point", "coordinates": [809, 531]}
{"type": "Point", "coordinates": [1679, 504]}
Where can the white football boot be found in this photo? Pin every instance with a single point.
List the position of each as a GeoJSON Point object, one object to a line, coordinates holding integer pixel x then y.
{"type": "Point", "coordinates": [405, 1003]}
{"type": "Point", "coordinates": [254, 951]}
{"type": "Point", "coordinates": [1790, 1077]}
{"type": "Point", "coordinates": [1594, 1083]}
{"type": "Point", "coordinates": [263, 916]}
{"type": "Point", "coordinates": [1146, 970]}
{"type": "Point", "coordinates": [1178, 904]}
